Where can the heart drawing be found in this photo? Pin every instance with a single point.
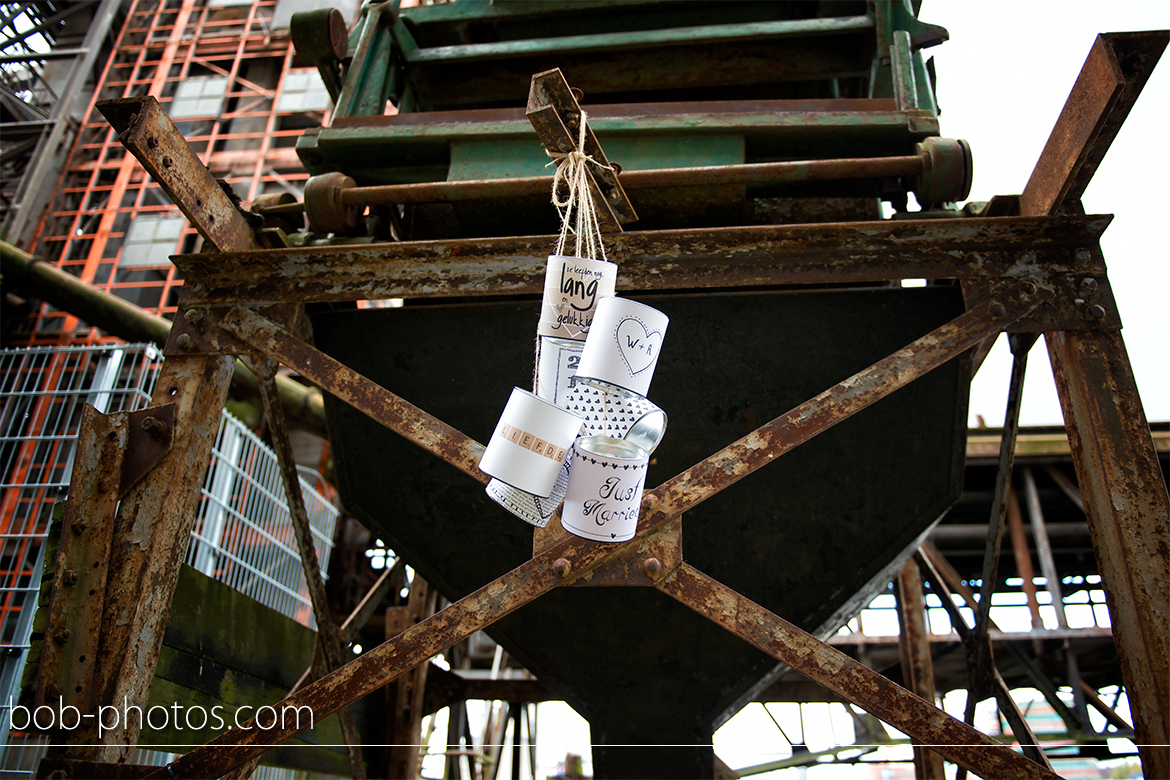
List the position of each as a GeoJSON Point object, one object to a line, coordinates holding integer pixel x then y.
{"type": "Point", "coordinates": [637, 347]}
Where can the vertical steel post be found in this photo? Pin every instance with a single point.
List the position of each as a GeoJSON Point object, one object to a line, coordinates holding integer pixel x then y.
{"type": "Point", "coordinates": [1126, 501]}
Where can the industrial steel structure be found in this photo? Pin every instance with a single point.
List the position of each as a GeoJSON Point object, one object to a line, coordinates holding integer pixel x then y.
{"type": "Point", "coordinates": [754, 145]}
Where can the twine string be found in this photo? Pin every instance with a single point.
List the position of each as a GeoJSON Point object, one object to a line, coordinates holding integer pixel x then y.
{"type": "Point", "coordinates": [578, 212]}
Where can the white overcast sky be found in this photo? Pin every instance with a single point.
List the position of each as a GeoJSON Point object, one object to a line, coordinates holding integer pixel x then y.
{"type": "Point", "coordinates": [1003, 78]}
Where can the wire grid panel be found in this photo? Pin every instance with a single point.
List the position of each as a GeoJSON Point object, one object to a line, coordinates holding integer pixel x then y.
{"type": "Point", "coordinates": [243, 534]}
{"type": "Point", "coordinates": [42, 393]}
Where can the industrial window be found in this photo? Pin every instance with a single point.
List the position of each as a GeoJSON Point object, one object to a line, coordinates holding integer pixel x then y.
{"type": "Point", "coordinates": [199, 96]}
{"type": "Point", "coordinates": [151, 240]}
{"type": "Point", "coordinates": [303, 91]}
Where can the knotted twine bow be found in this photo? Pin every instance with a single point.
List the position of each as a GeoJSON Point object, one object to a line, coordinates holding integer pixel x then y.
{"type": "Point", "coordinates": [573, 171]}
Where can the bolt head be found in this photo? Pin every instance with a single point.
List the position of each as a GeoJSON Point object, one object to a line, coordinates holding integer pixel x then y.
{"type": "Point", "coordinates": [1097, 311]}
{"type": "Point", "coordinates": [62, 636]}
{"type": "Point", "coordinates": [53, 691]}
{"type": "Point", "coordinates": [80, 528]}
{"type": "Point", "coordinates": [997, 310]}
{"type": "Point", "coordinates": [185, 341]}
{"type": "Point", "coordinates": [71, 577]}
{"type": "Point", "coordinates": [652, 566]}
{"type": "Point", "coordinates": [1082, 255]}
{"type": "Point", "coordinates": [562, 567]}
{"type": "Point", "coordinates": [1088, 284]}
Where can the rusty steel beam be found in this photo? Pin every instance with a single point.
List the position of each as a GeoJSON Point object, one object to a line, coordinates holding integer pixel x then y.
{"type": "Point", "coordinates": [863, 252]}
{"type": "Point", "coordinates": [1114, 73]}
{"type": "Point", "coordinates": [573, 558]}
{"type": "Point", "coordinates": [1128, 512]}
{"type": "Point", "coordinates": [400, 416]}
{"type": "Point", "coordinates": [332, 644]}
{"type": "Point", "coordinates": [151, 534]}
{"type": "Point", "coordinates": [154, 520]}
{"type": "Point", "coordinates": [69, 654]}
{"type": "Point", "coordinates": [917, 667]}
{"type": "Point", "coordinates": [921, 720]}
{"type": "Point", "coordinates": [148, 133]}
{"type": "Point", "coordinates": [1125, 495]}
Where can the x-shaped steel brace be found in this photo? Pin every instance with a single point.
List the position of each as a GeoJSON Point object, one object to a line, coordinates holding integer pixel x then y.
{"type": "Point", "coordinates": [573, 558]}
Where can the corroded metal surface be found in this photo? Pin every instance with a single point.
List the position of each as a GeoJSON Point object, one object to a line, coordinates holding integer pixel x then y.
{"type": "Point", "coordinates": [149, 134]}
{"type": "Point", "coordinates": [69, 653]}
{"type": "Point", "coordinates": [400, 416]}
{"type": "Point", "coordinates": [1118, 66]}
{"type": "Point", "coordinates": [151, 535]}
{"type": "Point", "coordinates": [659, 260]}
{"type": "Point", "coordinates": [651, 558]}
{"type": "Point", "coordinates": [1128, 511]}
{"type": "Point", "coordinates": [150, 435]}
{"type": "Point", "coordinates": [836, 671]}
{"type": "Point", "coordinates": [1125, 495]}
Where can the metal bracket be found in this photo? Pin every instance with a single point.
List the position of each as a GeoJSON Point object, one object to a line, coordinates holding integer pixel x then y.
{"type": "Point", "coordinates": [1079, 302]}
{"type": "Point", "coordinates": [556, 116]}
{"type": "Point", "coordinates": [149, 436]}
{"type": "Point", "coordinates": [642, 564]}
{"type": "Point", "coordinates": [196, 329]}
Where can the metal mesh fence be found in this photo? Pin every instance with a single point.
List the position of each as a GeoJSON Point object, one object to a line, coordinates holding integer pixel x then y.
{"type": "Point", "coordinates": [242, 535]}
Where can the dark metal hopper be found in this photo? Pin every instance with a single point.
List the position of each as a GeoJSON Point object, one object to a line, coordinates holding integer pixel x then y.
{"type": "Point", "coordinates": [811, 537]}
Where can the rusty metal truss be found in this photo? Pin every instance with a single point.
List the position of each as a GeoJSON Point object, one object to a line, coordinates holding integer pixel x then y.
{"type": "Point", "coordinates": [1025, 274]}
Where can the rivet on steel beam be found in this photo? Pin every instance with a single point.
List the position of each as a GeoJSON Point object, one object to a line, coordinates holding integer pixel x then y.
{"type": "Point", "coordinates": [997, 310]}
{"type": "Point", "coordinates": [1088, 284]}
{"type": "Point", "coordinates": [578, 95]}
{"type": "Point", "coordinates": [62, 636]}
{"type": "Point", "coordinates": [71, 577]}
{"type": "Point", "coordinates": [1097, 311]}
{"type": "Point", "coordinates": [80, 528]}
{"type": "Point", "coordinates": [1028, 288]}
{"type": "Point", "coordinates": [652, 566]}
{"type": "Point", "coordinates": [650, 502]}
{"type": "Point", "coordinates": [193, 316]}
{"type": "Point", "coordinates": [1082, 255]}
{"type": "Point", "coordinates": [167, 162]}
{"type": "Point", "coordinates": [152, 142]}
{"type": "Point", "coordinates": [185, 342]}
{"type": "Point", "coordinates": [155, 427]}
{"type": "Point", "coordinates": [53, 691]}
{"type": "Point", "coordinates": [562, 567]}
